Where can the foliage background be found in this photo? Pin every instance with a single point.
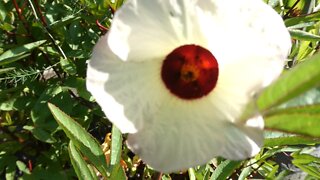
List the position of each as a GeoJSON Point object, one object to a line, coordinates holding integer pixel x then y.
{"type": "Point", "coordinates": [50, 127]}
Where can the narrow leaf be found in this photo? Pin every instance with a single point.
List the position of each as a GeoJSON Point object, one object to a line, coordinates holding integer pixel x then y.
{"type": "Point", "coordinates": [302, 35]}
{"type": "Point", "coordinates": [302, 123]}
{"type": "Point", "coordinates": [64, 21]}
{"type": "Point", "coordinates": [225, 169]}
{"type": "Point", "coordinates": [303, 19]}
{"type": "Point", "coordinates": [79, 164]}
{"type": "Point", "coordinates": [3, 12]}
{"type": "Point", "coordinates": [68, 66]}
{"type": "Point", "coordinates": [290, 140]}
{"type": "Point", "coordinates": [18, 53]}
{"type": "Point", "coordinates": [272, 173]}
{"type": "Point", "coordinates": [305, 159]}
{"type": "Point", "coordinates": [119, 3]}
{"type": "Point", "coordinates": [118, 172]}
{"type": "Point", "coordinates": [192, 174]}
{"type": "Point", "coordinates": [22, 167]}
{"type": "Point", "coordinates": [245, 173]}
{"type": "Point", "coordinates": [116, 149]}
{"type": "Point", "coordinates": [5, 70]}
{"type": "Point", "coordinates": [310, 109]}
{"type": "Point", "coordinates": [296, 81]}
{"type": "Point", "coordinates": [314, 171]}
{"type": "Point", "coordinates": [81, 139]}
{"type": "Point", "coordinates": [283, 174]}
{"type": "Point", "coordinates": [116, 146]}
{"type": "Point", "coordinates": [116, 4]}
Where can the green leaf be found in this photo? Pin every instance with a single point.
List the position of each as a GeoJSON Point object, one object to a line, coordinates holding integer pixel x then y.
{"type": "Point", "coordinates": [64, 21]}
{"type": "Point", "coordinates": [312, 170]}
{"type": "Point", "coordinates": [296, 81]}
{"type": "Point", "coordinates": [10, 171]}
{"type": "Point", "coordinates": [308, 163]}
{"type": "Point", "coordinates": [192, 174]}
{"type": "Point", "coordinates": [272, 173]}
{"type": "Point", "coordinates": [303, 35]}
{"type": "Point", "coordinates": [273, 3]}
{"type": "Point", "coordinates": [117, 4]}
{"type": "Point", "coordinates": [303, 19]}
{"type": "Point", "coordinates": [290, 140]}
{"type": "Point", "coordinates": [79, 164]}
{"type": "Point", "coordinates": [5, 70]}
{"type": "Point", "coordinates": [302, 123]}
{"type": "Point", "coordinates": [22, 167]}
{"type": "Point", "coordinates": [96, 7]}
{"type": "Point", "coordinates": [225, 169]}
{"type": "Point", "coordinates": [7, 160]}
{"type": "Point", "coordinates": [305, 159]}
{"type": "Point", "coordinates": [10, 147]}
{"type": "Point", "coordinates": [116, 146]}
{"type": "Point", "coordinates": [245, 173]}
{"type": "Point", "coordinates": [81, 138]}
{"type": "Point", "coordinates": [41, 115]}
{"type": "Point", "coordinates": [305, 100]}
{"type": "Point", "coordinates": [68, 66]}
{"type": "Point", "coordinates": [80, 85]}
{"type": "Point", "coordinates": [41, 134]}
{"type": "Point", "coordinates": [116, 149]}
{"type": "Point", "coordinates": [302, 25]}
{"type": "Point", "coordinates": [18, 53]}
{"type": "Point", "coordinates": [296, 117]}
{"type": "Point", "coordinates": [282, 174]}
{"type": "Point", "coordinates": [7, 27]}
{"type": "Point", "coordinates": [311, 109]}
{"type": "Point", "coordinates": [118, 172]}
{"type": "Point", "coordinates": [3, 11]}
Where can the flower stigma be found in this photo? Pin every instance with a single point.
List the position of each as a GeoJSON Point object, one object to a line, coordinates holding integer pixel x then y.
{"type": "Point", "coordinates": [190, 72]}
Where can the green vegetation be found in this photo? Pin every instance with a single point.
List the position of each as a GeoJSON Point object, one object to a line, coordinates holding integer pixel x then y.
{"type": "Point", "coordinates": [51, 128]}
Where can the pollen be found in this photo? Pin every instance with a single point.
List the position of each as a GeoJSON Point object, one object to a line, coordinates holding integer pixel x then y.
{"type": "Point", "coordinates": [190, 72]}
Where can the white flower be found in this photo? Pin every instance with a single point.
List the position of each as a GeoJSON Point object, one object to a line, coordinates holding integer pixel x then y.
{"type": "Point", "coordinates": [178, 74]}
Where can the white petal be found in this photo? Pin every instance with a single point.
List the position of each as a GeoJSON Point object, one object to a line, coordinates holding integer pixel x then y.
{"type": "Point", "coordinates": [245, 30]}
{"type": "Point", "coordinates": [253, 137]}
{"type": "Point", "coordinates": [248, 27]}
{"type": "Point", "coordinates": [142, 30]}
{"type": "Point", "coordinates": [128, 92]}
{"type": "Point", "coordinates": [185, 134]}
{"type": "Point", "coordinates": [250, 42]}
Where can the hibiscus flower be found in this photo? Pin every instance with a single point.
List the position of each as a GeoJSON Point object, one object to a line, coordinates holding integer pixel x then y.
{"type": "Point", "coordinates": [178, 75]}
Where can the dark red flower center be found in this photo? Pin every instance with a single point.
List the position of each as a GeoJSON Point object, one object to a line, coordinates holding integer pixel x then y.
{"type": "Point", "coordinates": [190, 72]}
